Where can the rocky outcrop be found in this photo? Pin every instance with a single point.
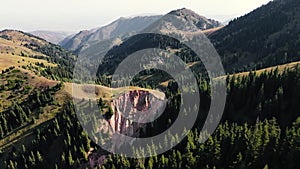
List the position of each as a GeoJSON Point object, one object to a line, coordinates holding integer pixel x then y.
{"type": "Point", "coordinates": [132, 111]}
{"type": "Point", "coordinates": [200, 22]}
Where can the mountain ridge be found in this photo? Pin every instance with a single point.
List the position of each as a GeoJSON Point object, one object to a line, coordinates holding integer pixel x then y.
{"type": "Point", "coordinates": [262, 38]}
{"type": "Point", "coordinates": [114, 29]}
{"type": "Point", "coordinates": [126, 26]}
{"type": "Point", "coordinates": [54, 37]}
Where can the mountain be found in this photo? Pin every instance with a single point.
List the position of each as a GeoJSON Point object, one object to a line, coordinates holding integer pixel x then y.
{"type": "Point", "coordinates": [118, 28]}
{"type": "Point", "coordinates": [75, 41]}
{"type": "Point", "coordinates": [200, 22]}
{"type": "Point", "coordinates": [181, 21]}
{"type": "Point", "coordinates": [265, 37]}
{"type": "Point", "coordinates": [124, 27]}
{"type": "Point", "coordinates": [51, 36]}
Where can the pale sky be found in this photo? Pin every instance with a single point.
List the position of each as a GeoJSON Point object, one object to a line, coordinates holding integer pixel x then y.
{"type": "Point", "coordinates": [75, 15]}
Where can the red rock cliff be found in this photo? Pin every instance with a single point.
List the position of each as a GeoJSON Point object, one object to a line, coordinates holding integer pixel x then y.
{"type": "Point", "coordinates": [131, 113]}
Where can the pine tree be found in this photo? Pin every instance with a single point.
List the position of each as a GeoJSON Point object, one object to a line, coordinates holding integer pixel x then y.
{"type": "Point", "coordinates": [39, 156]}
{"type": "Point", "coordinates": [70, 159]}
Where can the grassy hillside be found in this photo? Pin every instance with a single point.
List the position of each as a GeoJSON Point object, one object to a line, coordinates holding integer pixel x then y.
{"type": "Point", "coordinates": [30, 96]}
{"type": "Point", "coordinates": [14, 54]}
{"type": "Point", "coordinates": [24, 50]}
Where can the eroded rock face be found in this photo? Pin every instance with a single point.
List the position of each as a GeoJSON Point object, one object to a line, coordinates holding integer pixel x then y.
{"type": "Point", "coordinates": [131, 113]}
{"type": "Point", "coordinates": [132, 110]}
{"type": "Point", "coordinates": [140, 100]}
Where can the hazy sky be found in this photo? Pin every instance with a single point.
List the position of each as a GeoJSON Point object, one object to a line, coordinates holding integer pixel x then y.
{"type": "Point", "coordinates": [75, 15]}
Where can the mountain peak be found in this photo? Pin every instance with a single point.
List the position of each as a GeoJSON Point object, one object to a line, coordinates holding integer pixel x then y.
{"type": "Point", "coordinates": [51, 36]}
{"type": "Point", "coordinates": [200, 22]}
{"type": "Point", "coordinates": [183, 12]}
{"type": "Point", "coordinates": [124, 26]}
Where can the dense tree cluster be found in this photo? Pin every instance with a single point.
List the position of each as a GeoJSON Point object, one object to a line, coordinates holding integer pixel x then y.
{"type": "Point", "coordinates": [22, 114]}
{"type": "Point", "coordinates": [60, 143]}
{"type": "Point", "coordinates": [64, 60]}
{"type": "Point", "coordinates": [231, 146]}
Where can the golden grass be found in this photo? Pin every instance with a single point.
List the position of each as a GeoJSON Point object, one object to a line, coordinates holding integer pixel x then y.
{"type": "Point", "coordinates": [9, 60]}
{"type": "Point", "coordinates": [12, 53]}
{"type": "Point", "coordinates": [210, 31]}
{"type": "Point", "coordinates": [94, 92]}
{"type": "Point", "coordinates": [21, 38]}
{"type": "Point", "coordinates": [38, 81]}
{"type": "Point", "coordinates": [281, 68]}
{"type": "Point", "coordinates": [7, 46]}
{"type": "Point", "coordinates": [191, 64]}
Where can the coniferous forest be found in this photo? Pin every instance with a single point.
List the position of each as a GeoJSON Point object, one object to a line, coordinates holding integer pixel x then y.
{"type": "Point", "coordinates": [257, 131]}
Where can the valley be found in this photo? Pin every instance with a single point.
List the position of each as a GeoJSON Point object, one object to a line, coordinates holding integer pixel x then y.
{"type": "Point", "coordinates": [51, 119]}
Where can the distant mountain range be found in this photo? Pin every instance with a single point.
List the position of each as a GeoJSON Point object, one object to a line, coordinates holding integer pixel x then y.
{"type": "Point", "coordinates": [182, 22]}
{"type": "Point", "coordinates": [264, 37]}
{"type": "Point", "coordinates": [267, 36]}
{"type": "Point", "coordinates": [90, 45]}
{"type": "Point", "coordinates": [51, 36]}
{"type": "Point", "coordinates": [124, 27]}
{"type": "Point", "coordinates": [120, 27]}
